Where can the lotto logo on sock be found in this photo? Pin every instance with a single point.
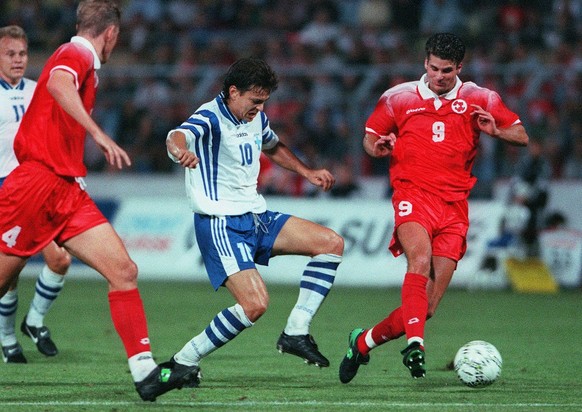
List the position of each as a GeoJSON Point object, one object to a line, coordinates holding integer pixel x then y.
{"type": "Point", "coordinates": [145, 341]}
{"type": "Point", "coordinates": [412, 321]}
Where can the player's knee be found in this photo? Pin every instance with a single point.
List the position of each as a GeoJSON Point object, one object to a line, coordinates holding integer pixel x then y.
{"type": "Point", "coordinates": [127, 272]}
{"type": "Point", "coordinates": [60, 264]}
{"type": "Point", "coordinates": [254, 310]}
{"type": "Point", "coordinates": [420, 264]}
{"type": "Point", "coordinates": [333, 243]}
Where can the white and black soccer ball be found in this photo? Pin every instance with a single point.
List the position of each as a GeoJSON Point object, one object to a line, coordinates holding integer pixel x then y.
{"type": "Point", "coordinates": [478, 364]}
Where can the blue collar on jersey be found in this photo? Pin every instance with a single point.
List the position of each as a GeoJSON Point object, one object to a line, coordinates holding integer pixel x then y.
{"type": "Point", "coordinates": [8, 86]}
{"type": "Point", "coordinates": [226, 111]}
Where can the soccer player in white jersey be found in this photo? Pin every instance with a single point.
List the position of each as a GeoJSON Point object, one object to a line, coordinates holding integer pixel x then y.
{"type": "Point", "coordinates": [219, 147]}
{"type": "Point", "coordinates": [15, 94]}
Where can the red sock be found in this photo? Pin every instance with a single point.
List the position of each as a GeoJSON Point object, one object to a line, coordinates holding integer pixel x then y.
{"type": "Point", "coordinates": [388, 329]}
{"type": "Point", "coordinates": [129, 319]}
{"type": "Point", "coordinates": [414, 304]}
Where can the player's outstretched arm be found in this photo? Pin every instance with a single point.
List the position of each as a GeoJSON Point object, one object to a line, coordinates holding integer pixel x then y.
{"type": "Point", "coordinates": [285, 158]}
{"type": "Point", "coordinates": [61, 85]}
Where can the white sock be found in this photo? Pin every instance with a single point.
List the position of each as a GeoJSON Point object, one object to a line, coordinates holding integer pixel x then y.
{"type": "Point", "coordinates": [48, 287]}
{"type": "Point", "coordinates": [141, 365]}
{"type": "Point", "coordinates": [369, 341]}
{"type": "Point", "coordinates": [225, 326]}
{"type": "Point", "coordinates": [316, 281]}
{"type": "Point", "coordinates": [8, 306]}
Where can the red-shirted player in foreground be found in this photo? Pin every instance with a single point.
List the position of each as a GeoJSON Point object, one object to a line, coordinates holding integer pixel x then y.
{"type": "Point", "coordinates": [431, 128]}
{"type": "Point", "coordinates": [44, 198]}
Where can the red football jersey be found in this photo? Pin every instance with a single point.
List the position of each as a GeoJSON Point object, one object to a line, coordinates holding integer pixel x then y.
{"type": "Point", "coordinates": [48, 134]}
{"type": "Point", "coordinates": [437, 136]}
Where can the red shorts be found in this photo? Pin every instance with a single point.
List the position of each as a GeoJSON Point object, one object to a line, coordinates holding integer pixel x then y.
{"type": "Point", "coordinates": [37, 206]}
{"type": "Point", "coordinates": [446, 223]}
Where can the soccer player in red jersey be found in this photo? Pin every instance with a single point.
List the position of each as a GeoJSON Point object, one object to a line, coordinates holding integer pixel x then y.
{"type": "Point", "coordinates": [15, 95]}
{"type": "Point", "coordinates": [431, 130]}
{"type": "Point", "coordinates": [44, 198]}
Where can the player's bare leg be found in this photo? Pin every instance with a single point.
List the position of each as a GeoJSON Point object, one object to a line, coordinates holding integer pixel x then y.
{"type": "Point", "coordinates": [251, 296]}
{"type": "Point", "coordinates": [102, 249]}
{"type": "Point", "coordinates": [325, 247]}
{"type": "Point", "coordinates": [10, 268]}
{"type": "Point", "coordinates": [443, 270]}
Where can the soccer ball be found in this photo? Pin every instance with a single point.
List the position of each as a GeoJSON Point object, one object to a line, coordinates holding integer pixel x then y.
{"type": "Point", "coordinates": [478, 364]}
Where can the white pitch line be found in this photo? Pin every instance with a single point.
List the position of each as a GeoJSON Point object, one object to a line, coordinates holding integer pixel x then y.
{"type": "Point", "coordinates": [296, 403]}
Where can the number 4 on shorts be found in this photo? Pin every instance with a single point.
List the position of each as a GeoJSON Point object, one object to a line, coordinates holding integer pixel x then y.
{"type": "Point", "coordinates": [9, 237]}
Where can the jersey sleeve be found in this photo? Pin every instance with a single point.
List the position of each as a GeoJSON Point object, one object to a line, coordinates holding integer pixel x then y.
{"type": "Point", "coordinates": [189, 139]}
{"type": "Point", "coordinates": [269, 137]}
{"type": "Point", "coordinates": [195, 127]}
{"type": "Point", "coordinates": [502, 115]}
{"type": "Point", "coordinates": [74, 59]}
{"type": "Point", "coordinates": [381, 121]}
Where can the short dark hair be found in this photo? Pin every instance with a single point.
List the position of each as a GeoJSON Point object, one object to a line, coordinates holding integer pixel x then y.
{"type": "Point", "coordinates": [95, 16]}
{"type": "Point", "coordinates": [13, 32]}
{"type": "Point", "coordinates": [250, 73]}
{"type": "Point", "coordinates": [446, 46]}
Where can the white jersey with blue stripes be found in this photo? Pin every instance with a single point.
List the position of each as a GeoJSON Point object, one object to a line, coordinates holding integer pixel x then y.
{"type": "Point", "coordinates": [13, 103]}
{"type": "Point", "coordinates": [225, 181]}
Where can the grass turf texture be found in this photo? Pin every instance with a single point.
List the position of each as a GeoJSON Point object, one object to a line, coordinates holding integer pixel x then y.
{"type": "Point", "coordinates": [538, 337]}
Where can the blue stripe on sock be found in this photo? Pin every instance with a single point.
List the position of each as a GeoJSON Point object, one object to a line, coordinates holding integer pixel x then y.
{"type": "Point", "coordinates": [55, 289]}
{"type": "Point", "coordinates": [319, 275]}
{"type": "Point", "coordinates": [223, 329]}
{"type": "Point", "coordinates": [322, 290]}
{"type": "Point", "coordinates": [213, 338]}
{"type": "Point", "coordinates": [8, 310]}
{"type": "Point", "coordinates": [324, 265]}
{"type": "Point", "coordinates": [45, 295]}
{"type": "Point", "coordinates": [233, 320]}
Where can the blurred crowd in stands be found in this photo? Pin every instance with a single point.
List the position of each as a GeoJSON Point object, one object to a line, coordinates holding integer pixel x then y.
{"type": "Point", "coordinates": [334, 59]}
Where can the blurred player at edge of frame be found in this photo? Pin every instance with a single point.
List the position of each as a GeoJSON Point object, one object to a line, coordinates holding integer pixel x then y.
{"type": "Point", "coordinates": [15, 94]}
{"type": "Point", "coordinates": [44, 198]}
{"type": "Point", "coordinates": [219, 146]}
{"type": "Point", "coordinates": [431, 128]}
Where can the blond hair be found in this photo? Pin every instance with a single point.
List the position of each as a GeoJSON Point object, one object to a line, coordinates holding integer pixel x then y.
{"type": "Point", "coordinates": [14, 32]}
{"type": "Point", "coordinates": [95, 16]}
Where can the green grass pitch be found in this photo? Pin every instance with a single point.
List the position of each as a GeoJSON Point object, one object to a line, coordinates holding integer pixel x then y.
{"type": "Point", "coordinates": [538, 337]}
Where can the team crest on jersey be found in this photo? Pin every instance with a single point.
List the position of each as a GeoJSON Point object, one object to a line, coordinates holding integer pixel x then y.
{"type": "Point", "coordinates": [459, 106]}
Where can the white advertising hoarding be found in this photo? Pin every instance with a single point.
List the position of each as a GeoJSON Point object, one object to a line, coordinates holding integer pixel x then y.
{"type": "Point", "coordinates": [158, 233]}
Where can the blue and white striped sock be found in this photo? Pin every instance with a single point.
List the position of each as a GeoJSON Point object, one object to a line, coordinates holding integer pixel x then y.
{"type": "Point", "coordinates": [48, 287]}
{"type": "Point", "coordinates": [8, 306]}
{"type": "Point", "coordinates": [224, 327]}
{"type": "Point", "coordinates": [316, 281]}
